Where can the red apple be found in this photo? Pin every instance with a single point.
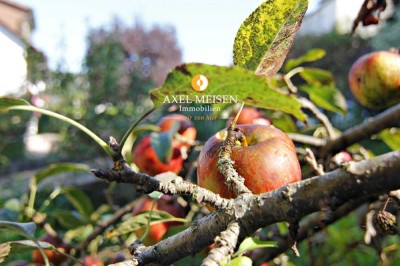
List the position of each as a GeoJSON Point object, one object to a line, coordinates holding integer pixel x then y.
{"type": "Point", "coordinates": [267, 163]}
{"type": "Point", "coordinates": [342, 157]}
{"type": "Point", "coordinates": [250, 115]}
{"type": "Point", "coordinates": [186, 127]}
{"type": "Point", "coordinates": [54, 257]}
{"type": "Point", "coordinates": [374, 79]}
{"type": "Point", "coordinates": [92, 261]}
{"type": "Point", "coordinates": [145, 157]}
{"type": "Point", "coordinates": [157, 231]}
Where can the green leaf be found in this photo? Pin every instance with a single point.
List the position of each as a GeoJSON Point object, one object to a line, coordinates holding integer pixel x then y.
{"type": "Point", "coordinates": [251, 243]}
{"type": "Point", "coordinates": [391, 137]}
{"type": "Point", "coordinates": [58, 168]}
{"type": "Point", "coordinates": [265, 37]}
{"type": "Point", "coordinates": [79, 200]}
{"type": "Point", "coordinates": [326, 97]}
{"type": "Point", "coordinates": [9, 249]}
{"type": "Point", "coordinates": [69, 219]}
{"type": "Point", "coordinates": [284, 122]}
{"type": "Point", "coordinates": [310, 56]}
{"type": "Point", "coordinates": [277, 82]}
{"type": "Point", "coordinates": [7, 102]}
{"type": "Point", "coordinates": [141, 220]}
{"type": "Point", "coordinates": [80, 233]}
{"type": "Point", "coordinates": [155, 195]}
{"type": "Point", "coordinates": [50, 170]}
{"type": "Point", "coordinates": [317, 77]}
{"type": "Point", "coordinates": [24, 229]}
{"type": "Point", "coordinates": [162, 142]}
{"type": "Point", "coordinates": [128, 144]}
{"type": "Point", "coordinates": [241, 261]}
{"type": "Point", "coordinates": [233, 83]}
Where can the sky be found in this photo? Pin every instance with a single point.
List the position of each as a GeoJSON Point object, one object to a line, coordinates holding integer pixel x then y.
{"type": "Point", "coordinates": [205, 29]}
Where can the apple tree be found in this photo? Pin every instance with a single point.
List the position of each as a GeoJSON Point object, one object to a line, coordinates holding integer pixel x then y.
{"type": "Point", "coordinates": [249, 205]}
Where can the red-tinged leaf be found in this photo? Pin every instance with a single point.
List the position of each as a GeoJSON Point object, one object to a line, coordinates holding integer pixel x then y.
{"type": "Point", "coordinates": [367, 15]}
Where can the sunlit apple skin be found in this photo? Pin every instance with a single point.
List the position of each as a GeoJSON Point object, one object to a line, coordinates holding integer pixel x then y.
{"type": "Point", "coordinates": [250, 115]}
{"type": "Point", "coordinates": [342, 157]}
{"type": "Point", "coordinates": [268, 163]}
{"type": "Point", "coordinates": [374, 79]}
{"type": "Point", "coordinates": [157, 231]}
{"type": "Point", "coordinates": [145, 157]}
{"type": "Point", "coordinates": [55, 258]}
{"type": "Point", "coordinates": [186, 128]}
{"type": "Point", "coordinates": [92, 261]}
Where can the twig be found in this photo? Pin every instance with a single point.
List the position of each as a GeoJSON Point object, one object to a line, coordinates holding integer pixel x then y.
{"type": "Point", "coordinates": [225, 244]}
{"type": "Point", "coordinates": [126, 136]}
{"type": "Point", "coordinates": [172, 185]}
{"type": "Point", "coordinates": [167, 183]}
{"type": "Point", "coordinates": [307, 104]}
{"type": "Point", "coordinates": [289, 75]}
{"type": "Point", "coordinates": [388, 118]}
{"type": "Point", "coordinates": [308, 140]}
{"type": "Point", "coordinates": [293, 237]}
{"type": "Point", "coordinates": [312, 161]}
{"type": "Point", "coordinates": [101, 227]}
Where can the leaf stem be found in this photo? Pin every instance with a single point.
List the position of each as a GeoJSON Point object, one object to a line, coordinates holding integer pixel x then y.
{"type": "Point", "coordinates": [146, 232]}
{"type": "Point", "coordinates": [127, 134]}
{"type": "Point", "coordinates": [88, 132]}
{"type": "Point", "coordinates": [289, 75]}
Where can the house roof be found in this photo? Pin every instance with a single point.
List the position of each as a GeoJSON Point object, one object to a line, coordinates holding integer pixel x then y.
{"type": "Point", "coordinates": [14, 17]}
{"type": "Point", "coordinates": [16, 5]}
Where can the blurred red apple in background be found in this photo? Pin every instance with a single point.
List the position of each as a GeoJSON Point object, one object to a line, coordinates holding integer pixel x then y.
{"type": "Point", "coordinates": [92, 261]}
{"type": "Point", "coordinates": [157, 231]}
{"type": "Point", "coordinates": [186, 127]}
{"type": "Point", "coordinates": [374, 79]}
{"type": "Point", "coordinates": [250, 115]}
{"type": "Point", "coordinates": [342, 157]}
{"type": "Point", "coordinates": [145, 157]}
{"type": "Point", "coordinates": [54, 257]}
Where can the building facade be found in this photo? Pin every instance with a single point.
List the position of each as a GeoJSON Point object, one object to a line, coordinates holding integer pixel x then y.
{"type": "Point", "coordinates": [16, 24]}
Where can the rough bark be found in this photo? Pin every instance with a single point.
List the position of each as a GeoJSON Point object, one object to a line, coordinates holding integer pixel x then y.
{"type": "Point", "coordinates": [354, 180]}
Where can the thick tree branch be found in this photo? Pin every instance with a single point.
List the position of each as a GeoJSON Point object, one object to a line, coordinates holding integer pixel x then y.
{"type": "Point", "coordinates": [354, 180]}
{"type": "Point", "coordinates": [388, 118]}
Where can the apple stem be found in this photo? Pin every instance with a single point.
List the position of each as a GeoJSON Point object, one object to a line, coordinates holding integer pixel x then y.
{"type": "Point", "coordinates": [233, 124]}
{"type": "Point", "coordinates": [242, 138]}
{"type": "Point", "coordinates": [386, 203]}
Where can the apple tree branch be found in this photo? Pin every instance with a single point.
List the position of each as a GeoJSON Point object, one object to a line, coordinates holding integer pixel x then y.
{"type": "Point", "coordinates": [294, 201]}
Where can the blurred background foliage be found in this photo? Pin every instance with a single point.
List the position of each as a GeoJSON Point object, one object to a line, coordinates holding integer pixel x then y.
{"type": "Point", "coordinates": [123, 62]}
